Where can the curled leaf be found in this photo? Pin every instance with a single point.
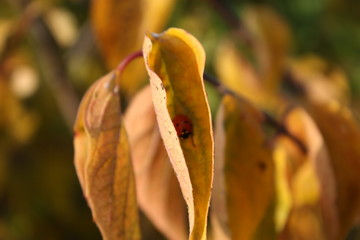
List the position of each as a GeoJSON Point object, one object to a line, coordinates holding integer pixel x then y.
{"type": "Point", "coordinates": [175, 63]}
{"type": "Point", "coordinates": [158, 191]}
{"type": "Point", "coordinates": [103, 163]}
{"type": "Point", "coordinates": [244, 171]}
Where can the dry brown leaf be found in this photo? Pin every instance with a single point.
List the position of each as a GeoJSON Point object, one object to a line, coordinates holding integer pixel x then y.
{"type": "Point", "coordinates": [175, 63]}
{"type": "Point", "coordinates": [244, 172]}
{"type": "Point", "coordinates": [311, 180]}
{"type": "Point", "coordinates": [120, 25]}
{"type": "Point", "coordinates": [103, 163]}
{"type": "Point", "coordinates": [158, 191]}
{"type": "Point", "coordinates": [341, 134]}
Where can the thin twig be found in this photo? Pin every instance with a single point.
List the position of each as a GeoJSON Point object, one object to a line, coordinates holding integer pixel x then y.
{"type": "Point", "coordinates": [280, 128]}
{"type": "Point", "coordinates": [17, 34]}
{"type": "Point", "coordinates": [232, 20]}
{"type": "Point", "coordinates": [122, 65]}
{"type": "Point", "coordinates": [50, 59]}
{"type": "Point", "coordinates": [55, 71]}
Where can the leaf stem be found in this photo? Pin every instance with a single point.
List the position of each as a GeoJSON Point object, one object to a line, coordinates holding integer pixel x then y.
{"type": "Point", "coordinates": [128, 59]}
{"type": "Point", "coordinates": [280, 128]}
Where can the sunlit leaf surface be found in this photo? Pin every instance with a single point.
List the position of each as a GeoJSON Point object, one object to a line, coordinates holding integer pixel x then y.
{"type": "Point", "coordinates": [175, 63]}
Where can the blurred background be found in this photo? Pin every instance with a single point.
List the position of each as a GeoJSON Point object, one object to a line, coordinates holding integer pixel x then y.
{"type": "Point", "coordinates": [48, 58]}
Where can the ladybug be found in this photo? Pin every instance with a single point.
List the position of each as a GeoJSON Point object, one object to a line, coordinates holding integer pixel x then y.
{"type": "Point", "coordinates": [183, 126]}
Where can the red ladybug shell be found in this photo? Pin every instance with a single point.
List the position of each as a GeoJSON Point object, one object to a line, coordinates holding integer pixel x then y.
{"type": "Point", "coordinates": [183, 126]}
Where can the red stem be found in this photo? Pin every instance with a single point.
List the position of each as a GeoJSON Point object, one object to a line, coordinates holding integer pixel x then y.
{"type": "Point", "coordinates": [120, 68]}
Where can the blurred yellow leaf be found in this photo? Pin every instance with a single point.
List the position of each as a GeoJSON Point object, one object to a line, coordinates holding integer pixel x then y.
{"type": "Point", "coordinates": [311, 181]}
{"type": "Point", "coordinates": [62, 24]}
{"type": "Point", "coordinates": [15, 120]}
{"type": "Point", "coordinates": [175, 62]}
{"type": "Point", "coordinates": [341, 134]}
{"type": "Point", "coordinates": [238, 74]}
{"type": "Point", "coordinates": [283, 194]}
{"type": "Point", "coordinates": [321, 81]}
{"type": "Point", "coordinates": [158, 191]}
{"type": "Point", "coordinates": [244, 171]}
{"type": "Point", "coordinates": [120, 25]}
{"type": "Point", "coordinates": [271, 43]}
{"type": "Point", "coordinates": [102, 158]}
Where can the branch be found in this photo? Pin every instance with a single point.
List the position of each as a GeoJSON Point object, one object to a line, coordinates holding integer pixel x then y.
{"type": "Point", "coordinates": [280, 128]}
{"type": "Point", "coordinates": [18, 32]}
{"type": "Point", "coordinates": [49, 57]}
{"type": "Point", "coordinates": [55, 71]}
{"type": "Point", "coordinates": [232, 20]}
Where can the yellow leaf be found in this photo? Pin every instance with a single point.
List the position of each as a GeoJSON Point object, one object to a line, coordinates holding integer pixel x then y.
{"type": "Point", "coordinates": [103, 163]}
{"type": "Point", "coordinates": [341, 134]}
{"type": "Point", "coordinates": [238, 74]}
{"type": "Point", "coordinates": [15, 120]}
{"type": "Point", "coordinates": [311, 181]}
{"type": "Point", "coordinates": [271, 43]}
{"type": "Point", "coordinates": [283, 195]}
{"type": "Point", "coordinates": [119, 27]}
{"type": "Point", "coordinates": [244, 171]}
{"type": "Point", "coordinates": [321, 81]}
{"type": "Point", "coordinates": [175, 62]}
{"type": "Point", "coordinates": [158, 192]}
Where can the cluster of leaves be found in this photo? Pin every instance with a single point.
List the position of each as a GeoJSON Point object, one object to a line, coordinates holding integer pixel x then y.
{"type": "Point", "coordinates": [274, 149]}
{"type": "Point", "coordinates": [297, 182]}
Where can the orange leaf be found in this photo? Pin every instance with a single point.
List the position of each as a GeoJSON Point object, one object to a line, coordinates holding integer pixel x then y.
{"type": "Point", "coordinates": [342, 137]}
{"type": "Point", "coordinates": [103, 164]}
{"type": "Point", "coordinates": [175, 62]}
{"type": "Point", "coordinates": [311, 181]}
{"type": "Point", "coordinates": [119, 27]}
{"type": "Point", "coordinates": [243, 184]}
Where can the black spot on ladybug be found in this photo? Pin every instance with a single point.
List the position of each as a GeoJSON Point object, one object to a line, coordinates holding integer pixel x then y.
{"type": "Point", "coordinates": [162, 86]}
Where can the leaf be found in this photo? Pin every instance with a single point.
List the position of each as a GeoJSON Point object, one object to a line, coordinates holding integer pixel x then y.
{"type": "Point", "coordinates": [120, 25]}
{"type": "Point", "coordinates": [283, 194]}
{"type": "Point", "coordinates": [244, 171]}
{"type": "Point", "coordinates": [158, 191]}
{"type": "Point", "coordinates": [103, 163]}
{"type": "Point", "coordinates": [237, 74]}
{"type": "Point", "coordinates": [341, 134]}
{"type": "Point", "coordinates": [175, 63]}
{"type": "Point", "coordinates": [311, 181]}
{"type": "Point", "coordinates": [271, 44]}
{"type": "Point", "coordinates": [321, 81]}
{"type": "Point", "coordinates": [15, 120]}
